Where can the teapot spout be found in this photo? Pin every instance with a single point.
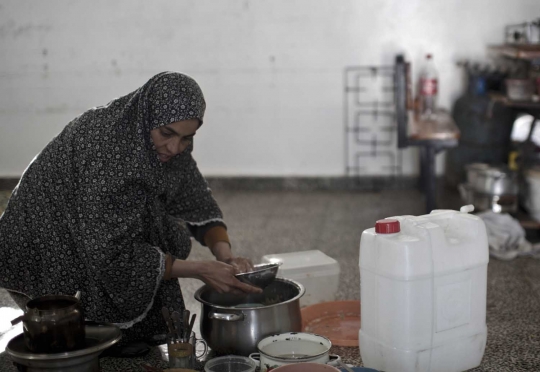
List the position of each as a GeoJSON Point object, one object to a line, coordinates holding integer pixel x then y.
{"type": "Point", "coordinates": [17, 320]}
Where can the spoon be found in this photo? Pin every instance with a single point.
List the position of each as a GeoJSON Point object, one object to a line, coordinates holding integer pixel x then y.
{"type": "Point", "coordinates": [178, 324]}
{"type": "Point", "coordinates": [185, 325]}
{"type": "Point", "coordinates": [190, 327]}
{"type": "Point", "coordinates": [168, 320]}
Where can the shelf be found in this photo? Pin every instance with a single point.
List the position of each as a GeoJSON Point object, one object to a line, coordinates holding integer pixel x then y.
{"type": "Point", "coordinates": [440, 127]}
{"type": "Point", "coordinates": [523, 51]}
{"type": "Point", "coordinates": [497, 97]}
{"type": "Point", "coordinates": [526, 221]}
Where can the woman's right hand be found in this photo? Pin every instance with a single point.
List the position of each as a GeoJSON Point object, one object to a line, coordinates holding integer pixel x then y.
{"type": "Point", "coordinates": [219, 276]}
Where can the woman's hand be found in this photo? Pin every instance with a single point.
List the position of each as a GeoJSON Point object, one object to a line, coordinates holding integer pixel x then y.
{"type": "Point", "coordinates": [216, 274]}
{"type": "Point", "coordinates": [220, 276]}
{"type": "Point", "coordinates": [241, 264]}
{"type": "Point", "coordinates": [222, 252]}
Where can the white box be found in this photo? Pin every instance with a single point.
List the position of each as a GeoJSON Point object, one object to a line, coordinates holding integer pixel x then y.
{"type": "Point", "coordinates": [316, 271]}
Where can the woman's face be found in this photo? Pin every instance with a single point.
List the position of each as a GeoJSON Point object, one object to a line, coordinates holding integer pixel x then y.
{"type": "Point", "coordinates": [174, 138]}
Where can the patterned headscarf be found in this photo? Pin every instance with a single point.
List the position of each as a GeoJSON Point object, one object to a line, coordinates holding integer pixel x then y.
{"type": "Point", "coordinates": [96, 210]}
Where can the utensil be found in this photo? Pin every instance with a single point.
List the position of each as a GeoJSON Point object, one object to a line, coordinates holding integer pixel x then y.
{"type": "Point", "coordinates": [230, 363]}
{"type": "Point", "coordinates": [53, 324]}
{"type": "Point", "coordinates": [177, 319]}
{"type": "Point", "coordinates": [18, 319]}
{"type": "Point", "coordinates": [99, 336]}
{"type": "Point", "coordinates": [233, 324]}
{"type": "Point", "coordinates": [519, 89]}
{"type": "Point", "coordinates": [492, 180]}
{"type": "Point", "coordinates": [190, 327]}
{"type": "Point", "coordinates": [344, 366]}
{"type": "Point", "coordinates": [185, 325]}
{"type": "Point", "coordinates": [293, 348]}
{"type": "Point", "coordinates": [301, 367]}
{"type": "Point", "coordinates": [337, 320]}
{"type": "Point", "coordinates": [185, 354]}
{"type": "Point", "coordinates": [261, 276]}
{"type": "Point", "coordinates": [168, 320]}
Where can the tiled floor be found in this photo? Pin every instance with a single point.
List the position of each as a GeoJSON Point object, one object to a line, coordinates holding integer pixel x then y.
{"type": "Point", "coordinates": [274, 222]}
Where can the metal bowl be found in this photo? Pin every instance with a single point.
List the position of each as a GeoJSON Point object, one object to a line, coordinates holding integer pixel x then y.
{"type": "Point", "coordinates": [262, 275]}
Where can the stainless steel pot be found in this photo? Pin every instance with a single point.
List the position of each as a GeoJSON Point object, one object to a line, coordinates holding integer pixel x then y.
{"type": "Point", "coordinates": [492, 180]}
{"type": "Point", "coordinates": [235, 324]}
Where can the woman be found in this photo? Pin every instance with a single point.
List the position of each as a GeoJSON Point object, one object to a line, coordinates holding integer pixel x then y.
{"type": "Point", "coordinates": [109, 206]}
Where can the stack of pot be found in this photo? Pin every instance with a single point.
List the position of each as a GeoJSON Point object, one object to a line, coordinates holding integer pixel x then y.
{"type": "Point", "coordinates": [490, 187]}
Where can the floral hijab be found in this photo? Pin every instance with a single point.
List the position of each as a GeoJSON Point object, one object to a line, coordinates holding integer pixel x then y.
{"type": "Point", "coordinates": [96, 211]}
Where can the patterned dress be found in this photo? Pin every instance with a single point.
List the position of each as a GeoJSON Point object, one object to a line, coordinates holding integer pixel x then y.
{"type": "Point", "coordinates": [96, 211]}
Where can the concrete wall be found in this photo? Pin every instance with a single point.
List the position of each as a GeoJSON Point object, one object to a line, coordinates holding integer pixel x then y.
{"type": "Point", "coordinates": [272, 71]}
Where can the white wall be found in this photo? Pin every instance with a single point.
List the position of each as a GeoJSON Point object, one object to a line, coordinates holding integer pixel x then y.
{"type": "Point", "coordinates": [271, 71]}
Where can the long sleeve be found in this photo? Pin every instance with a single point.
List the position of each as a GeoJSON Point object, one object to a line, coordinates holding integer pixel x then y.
{"type": "Point", "coordinates": [209, 233]}
{"type": "Point", "coordinates": [193, 202]}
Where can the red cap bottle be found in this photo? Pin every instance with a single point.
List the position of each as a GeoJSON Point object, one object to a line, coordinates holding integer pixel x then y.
{"type": "Point", "coordinates": [388, 226]}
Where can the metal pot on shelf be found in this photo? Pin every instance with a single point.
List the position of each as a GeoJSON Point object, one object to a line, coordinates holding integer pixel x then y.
{"type": "Point", "coordinates": [490, 188]}
{"type": "Point", "coordinates": [492, 180]}
{"type": "Point", "coordinates": [232, 324]}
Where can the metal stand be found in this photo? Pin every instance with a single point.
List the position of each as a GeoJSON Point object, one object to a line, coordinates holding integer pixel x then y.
{"type": "Point", "coordinates": [369, 122]}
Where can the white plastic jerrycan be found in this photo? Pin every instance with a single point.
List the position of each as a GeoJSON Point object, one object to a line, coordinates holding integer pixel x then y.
{"type": "Point", "coordinates": [423, 293]}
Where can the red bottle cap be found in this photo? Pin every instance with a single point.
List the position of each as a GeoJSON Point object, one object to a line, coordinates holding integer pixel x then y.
{"type": "Point", "coordinates": [389, 226]}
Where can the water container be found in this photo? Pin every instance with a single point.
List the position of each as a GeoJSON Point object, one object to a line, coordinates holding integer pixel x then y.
{"type": "Point", "coordinates": [423, 293]}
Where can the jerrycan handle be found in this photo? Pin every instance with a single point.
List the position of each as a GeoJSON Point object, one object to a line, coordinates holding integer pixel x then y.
{"type": "Point", "coordinates": [467, 208]}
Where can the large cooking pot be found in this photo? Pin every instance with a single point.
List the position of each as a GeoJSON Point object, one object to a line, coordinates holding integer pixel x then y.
{"type": "Point", "coordinates": [492, 180]}
{"type": "Point", "coordinates": [53, 324]}
{"type": "Point", "coordinates": [233, 324]}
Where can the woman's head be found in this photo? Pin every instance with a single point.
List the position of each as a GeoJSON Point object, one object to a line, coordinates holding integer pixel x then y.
{"type": "Point", "coordinates": [176, 108]}
{"type": "Point", "coordinates": [172, 139]}
{"type": "Point", "coordinates": [174, 97]}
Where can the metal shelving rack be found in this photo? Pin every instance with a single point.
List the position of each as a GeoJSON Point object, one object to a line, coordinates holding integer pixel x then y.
{"type": "Point", "coordinates": [369, 122]}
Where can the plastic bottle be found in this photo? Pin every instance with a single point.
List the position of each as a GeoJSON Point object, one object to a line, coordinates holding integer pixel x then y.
{"type": "Point", "coordinates": [423, 293]}
{"type": "Point", "coordinates": [428, 87]}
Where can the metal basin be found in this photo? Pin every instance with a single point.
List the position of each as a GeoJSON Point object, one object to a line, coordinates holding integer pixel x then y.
{"type": "Point", "coordinates": [262, 275]}
{"type": "Point", "coordinates": [235, 324]}
{"type": "Point", "coordinates": [98, 337]}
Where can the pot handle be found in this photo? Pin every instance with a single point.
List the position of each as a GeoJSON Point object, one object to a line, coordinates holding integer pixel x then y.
{"type": "Point", "coordinates": [226, 317]}
{"type": "Point", "coordinates": [256, 357]}
{"type": "Point", "coordinates": [334, 360]}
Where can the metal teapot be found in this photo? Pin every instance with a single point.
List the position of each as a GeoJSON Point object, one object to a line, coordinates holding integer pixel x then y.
{"type": "Point", "coordinates": [53, 324]}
